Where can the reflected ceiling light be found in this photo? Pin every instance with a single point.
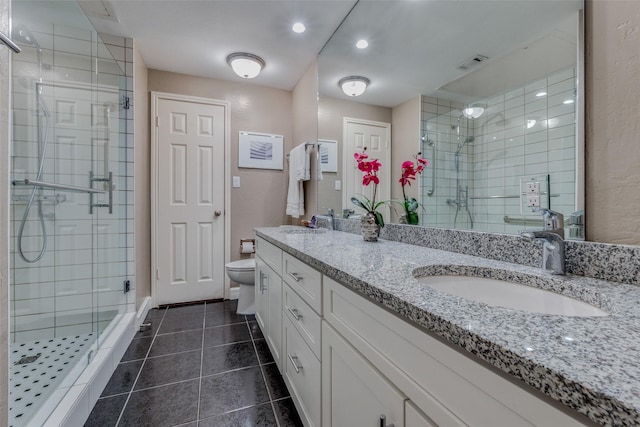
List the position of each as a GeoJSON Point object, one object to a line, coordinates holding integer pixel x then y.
{"type": "Point", "coordinates": [474, 111]}
{"type": "Point", "coordinates": [354, 85]}
{"type": "Point", "coordinates": [568, 101]}
{"type": "Point", "coordinates": [362, 44]}
{"type": "Point", "coordinates": [245, 65]}
{"type": "Point", "coordinates": [541, 94]}
{"type": "Point", "coordinates": [531, 123]}
{"type": "Point", "coordinates": [298, 27]}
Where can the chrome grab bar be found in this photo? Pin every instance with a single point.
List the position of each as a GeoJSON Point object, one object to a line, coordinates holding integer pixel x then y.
{"type": "Point", "coordinates": [54, 185]}
{"type": "Point", "coordinates": [6, 40]}
{"type": "Point", "coordinates": [432, 144]}
{"type": "Point", "coordinates": [521, 220]}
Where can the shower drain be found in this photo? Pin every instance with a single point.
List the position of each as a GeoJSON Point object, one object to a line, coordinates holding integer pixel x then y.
{"type": "Point", "coordinates": [28, 359]}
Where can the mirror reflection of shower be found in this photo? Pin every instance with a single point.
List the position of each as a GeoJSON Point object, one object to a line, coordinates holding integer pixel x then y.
{"type": "Point", "coordinates": [461, 201]}
{"type": "Point", "coordinates": [22, 36]}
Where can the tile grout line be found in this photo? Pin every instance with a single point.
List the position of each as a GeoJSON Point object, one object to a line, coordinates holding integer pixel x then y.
{"type": "Point", "coordinates": [133, 386]}
{"type": "Point", "coordinates": [204, 323]}
{"type": "Point", "coordinates": [264, 377]}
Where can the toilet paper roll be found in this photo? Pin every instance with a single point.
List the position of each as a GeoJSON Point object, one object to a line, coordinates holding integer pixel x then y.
{"type": "Point", "coordinates": [247, 248]}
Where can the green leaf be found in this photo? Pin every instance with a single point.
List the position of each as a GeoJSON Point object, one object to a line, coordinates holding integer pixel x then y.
{"type": "Point", "coordinates": [358, 203]}
{"type": "Point", "coordinates": [379, 219]}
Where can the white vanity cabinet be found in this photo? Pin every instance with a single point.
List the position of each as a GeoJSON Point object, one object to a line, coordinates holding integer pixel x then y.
{"type": "Point", "coordinates": [429, 376]}
{"type": "Point", "coordinates": [268, 289]}
{"type": "Point", "coordinates": [302, 313]}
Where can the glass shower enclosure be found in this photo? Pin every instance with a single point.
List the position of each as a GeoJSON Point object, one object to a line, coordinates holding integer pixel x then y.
{"type": "Point", "coordinates": [69, 176]}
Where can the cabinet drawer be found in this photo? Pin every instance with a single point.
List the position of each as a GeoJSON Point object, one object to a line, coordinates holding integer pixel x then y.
{"type": "Point", "coordinates": [270, 253]}
{"type": "Point", "coordinates": [303, 318]}
{"type": "Point", "coordinates": [447, 385]}
{"type": "Point", "coordinates": [305, 280]}
{"type": "Point", "coordinates": [302, 375]}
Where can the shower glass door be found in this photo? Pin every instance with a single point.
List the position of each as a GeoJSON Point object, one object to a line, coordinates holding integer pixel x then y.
{"type": "Point", "coordinates": [68, 205]}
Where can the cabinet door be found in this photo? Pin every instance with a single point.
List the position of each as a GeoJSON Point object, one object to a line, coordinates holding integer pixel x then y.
{"type": "Point", "coordinates": [262, 294]}
{"type": "Point", "coordinates": [415, 417]}
{"type": "Point", "coordinates": [354, 393]}
{"type": "Point", "coordinates": [274, 330]}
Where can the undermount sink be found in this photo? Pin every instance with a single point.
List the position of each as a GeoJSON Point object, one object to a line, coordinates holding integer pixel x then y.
{"type": "Point", "coordinates": [302, 230]}
{"type": "Point", "coordinates": [499, 293]}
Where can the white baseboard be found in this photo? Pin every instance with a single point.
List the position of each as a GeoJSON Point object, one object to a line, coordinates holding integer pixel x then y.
{"type": "Point", "coordinates": [234, 292]}
{"type": "Point", "coordinates": [142, 312]}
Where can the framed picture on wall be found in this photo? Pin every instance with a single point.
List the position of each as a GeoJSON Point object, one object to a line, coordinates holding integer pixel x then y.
{"type": "Point", "coordinates": [260, 150]}
{"type": "Point", "coordinates": [328, 152]}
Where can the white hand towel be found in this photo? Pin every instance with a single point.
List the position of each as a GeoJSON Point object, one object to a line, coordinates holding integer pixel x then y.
{"type": "Point", "coordinates": [319, 165]}
{"type": "Point", "coordinates": [295, 195]}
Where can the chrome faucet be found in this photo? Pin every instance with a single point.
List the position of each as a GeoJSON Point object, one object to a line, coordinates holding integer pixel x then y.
{"type": "Point", "coordinates": [552, 236]}
{"type": "Point", "coordinates": [329, 217]}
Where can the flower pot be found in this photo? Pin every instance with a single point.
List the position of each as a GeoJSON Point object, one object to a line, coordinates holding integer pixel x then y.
{"type": "Point", "coordinates": [369, 227]}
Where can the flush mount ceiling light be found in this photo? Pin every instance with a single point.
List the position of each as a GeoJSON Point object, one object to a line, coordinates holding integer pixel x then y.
{"type": "Point", "coordinates": [354, 85]}
{"type": "Point", "coordinates": [245, 65]}
{"type": "Point", "coordinates": [473, 111]}
{"type": "Point", "coordinates": [298, 27]}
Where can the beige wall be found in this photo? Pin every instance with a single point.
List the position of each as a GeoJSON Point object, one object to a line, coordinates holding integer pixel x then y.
{"type": "Point", "coordinates": [405, 144]}
{"type": "Point", "coordinates": [305, 129]}
{"type": "Point", "coordinates": [612, 76]}
{"type": "Point", "coordinates": [331, 112]}
{"type": "Point", "coordinates": [142, 189]}
{"type": "Point", "coordinates": [260, 201]}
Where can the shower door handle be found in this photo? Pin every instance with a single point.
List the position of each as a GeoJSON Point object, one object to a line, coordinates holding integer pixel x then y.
{"type": "Point", "coordinates": [6, 40]}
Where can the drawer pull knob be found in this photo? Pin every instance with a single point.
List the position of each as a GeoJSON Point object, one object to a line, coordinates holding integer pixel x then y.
{"type": "Point", "coordinates": [295, 277]}
{"type": "Point", "coordinates": [383, 421]}
{"type": "Point", "coordinates": [294, 363]}
{"type": "Point", "coordinates": [294, 313]}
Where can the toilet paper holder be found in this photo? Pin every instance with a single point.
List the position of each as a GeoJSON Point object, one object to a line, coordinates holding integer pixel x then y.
{"type": "Point", "coordinates": [247, 246]}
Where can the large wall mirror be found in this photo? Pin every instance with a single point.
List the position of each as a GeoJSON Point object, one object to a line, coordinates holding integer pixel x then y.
{"type": "Point", "coordinates": [488, 91]}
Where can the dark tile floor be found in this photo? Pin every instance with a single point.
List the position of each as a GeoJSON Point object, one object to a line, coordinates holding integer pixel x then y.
{"type": "Point", "coordinates": [199, 365]}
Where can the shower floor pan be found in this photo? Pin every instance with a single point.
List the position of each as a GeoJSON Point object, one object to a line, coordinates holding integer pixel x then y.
{"type": "Point", "coordinates": [38, 368]}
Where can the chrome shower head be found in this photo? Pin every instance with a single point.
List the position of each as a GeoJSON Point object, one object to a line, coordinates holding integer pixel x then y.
{"type": "Point", "coordinates": [23, 36]}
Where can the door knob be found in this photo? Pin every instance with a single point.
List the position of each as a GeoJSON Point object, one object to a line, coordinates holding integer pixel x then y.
{"type": "Point", "coordinates": [217, 213]}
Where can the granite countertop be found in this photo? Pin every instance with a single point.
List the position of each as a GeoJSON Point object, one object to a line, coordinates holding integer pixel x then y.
{"type": "Point", "coordinates": [590, 364]}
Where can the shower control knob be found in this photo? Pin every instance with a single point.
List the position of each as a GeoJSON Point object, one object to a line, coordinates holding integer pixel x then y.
{"type": "Point", "coordinates": [217, 213]}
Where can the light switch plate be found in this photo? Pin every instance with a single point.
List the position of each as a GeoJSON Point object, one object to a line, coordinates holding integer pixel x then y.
{"type": "Point", "coordinates": [338, 185]}
{"type": "Point", "coordinates": [236, 182]}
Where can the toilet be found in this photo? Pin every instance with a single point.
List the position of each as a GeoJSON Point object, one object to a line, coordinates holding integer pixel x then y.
{"type": "Point", "coordinates": [243, 272]}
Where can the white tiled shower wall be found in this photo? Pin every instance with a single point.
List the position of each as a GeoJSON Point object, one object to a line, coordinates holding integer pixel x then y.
{"type": "Point", "coordinates": [77, 286]}
{"type": "Point", "coordinates": [522, 135]}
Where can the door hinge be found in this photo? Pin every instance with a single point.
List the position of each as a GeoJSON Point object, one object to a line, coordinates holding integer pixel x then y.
{"type": "Point", "coordinates": [157, 274]}
{"type": "Point", "coordinates": [156, 121]}
{"type": "Point", "coordinates": [126, 102]}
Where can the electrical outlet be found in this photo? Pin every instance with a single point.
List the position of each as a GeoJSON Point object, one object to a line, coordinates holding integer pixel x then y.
{"type": "Point", "coordinates": [533, 200]}
{"type": "Point", "coordinates": [533, 187]}
{"type": "Point", "coordinates": [236, 182]}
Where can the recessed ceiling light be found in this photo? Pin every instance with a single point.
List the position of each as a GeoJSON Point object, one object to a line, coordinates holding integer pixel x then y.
{"type": "Point", "coordinates": [540, 94]}
{"type": "Point", "coordinates": [298, 27]}
{"type": "Point", "coordinates": [362, 44]}
{"type": "Point", "coordinates": [568, 101]}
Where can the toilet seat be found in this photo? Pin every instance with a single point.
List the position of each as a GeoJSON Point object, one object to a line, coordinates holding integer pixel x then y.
{"type": "Point", "coordinates": [242, 265]}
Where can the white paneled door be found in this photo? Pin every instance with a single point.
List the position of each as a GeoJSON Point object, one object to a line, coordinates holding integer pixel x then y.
{"type": "Point", "coordinates": [190, 200]}
{"type": "Point", "coordinates": [376, 138]}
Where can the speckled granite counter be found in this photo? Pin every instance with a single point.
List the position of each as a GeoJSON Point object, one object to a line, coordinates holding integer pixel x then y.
{"type": "Point", "coordinates": [590, 364]}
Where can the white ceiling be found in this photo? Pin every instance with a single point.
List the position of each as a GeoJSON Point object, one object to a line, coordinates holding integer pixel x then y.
{"type": "Point", "coordinates": [414, 45]}
{"type": "Point", "coordinates": [195, 37]}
